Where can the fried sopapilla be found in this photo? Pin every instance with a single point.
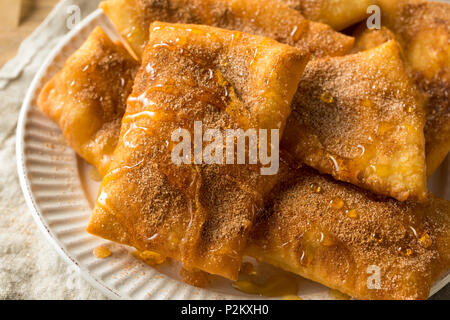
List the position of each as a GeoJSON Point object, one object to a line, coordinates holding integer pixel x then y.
{"type": "Point", "coordinates": [93, 129]}
{"type": "Point", "coordinates": [87, 98]}
{"type": "Point", "coordinates": [268, 18]}
{"type": "Point", "coordinates": [348, 239]}
{"type": "Point", "coordinates": [358, 118]}
{"type": "Point", "coordinates": [366, 39]}
{"type": "Point", "coordinates": [422, 29]}
{"type": "Point", "coordinates": [338, 14]}
{"type": "Point", "coordinates": [197, 213]}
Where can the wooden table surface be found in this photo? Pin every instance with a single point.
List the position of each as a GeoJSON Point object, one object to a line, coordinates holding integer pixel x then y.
{"type": "Point", "coordinates": [33, 13]}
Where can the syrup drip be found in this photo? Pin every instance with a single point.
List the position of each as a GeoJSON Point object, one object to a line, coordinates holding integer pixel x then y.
{"type": "Point", "coordinates": [235, 37]}
{"type": "Point", "coordinates": [362, 149]}
{"type": "Point", "coordinates": [102, 200]}
{"type": "Point", "coordinates": [352, 214]}
{"type": "Point", "coordinates": [296, 33]}
{"type": "Point", "coordinates": [276, 286]}
{"type": "Point", "coordinates": [426, 240]}
{"type": "Point", "coordinates": [102, 252]}
{"type": "Point", "coordinates": [130, 129]}
{"type": "Point", "coordinates": [335, 163]}
{"type": "Point", "coordinates": [377, 238]}
{"type": "Point", "coordinates": [326, 97]}
{"type": "Point", "coordinates": [337, 295]}
{"type": "Point", "coordinates": [367, 103]}
{"type": "Point", "coordinates": [337, 203]}
{"type": "Point", "coordinates": [259, 51]}
{"type": "Point", "coordinates": [315, 188]}
{"type": "Point", "coordinates": [149, 257]}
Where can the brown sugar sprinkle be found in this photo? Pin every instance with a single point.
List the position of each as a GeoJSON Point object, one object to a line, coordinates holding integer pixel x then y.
{"type": "Point", "coordinates": [201, 213]}
{"type": "Point", "coordinates": [269, 18]}
{"type": "Point", "coordinates": [295, 210]}
{"type": "Point", "coordinates": [367, 103]}
{"type": "Point", "coordinates": [87, 98]}
{"type": "Point", "coordinates": [422, 30]}
{"type": "Point", "coordinates": [102, 252]}
{"type": "Point", "coordinates": [335, 113]}
{"type": "Point", "coordinates": [405, 251]}
{"type": "Point", "coordinates": [377, 238]}
{"type": "Point", "coordinates": [326, 97]}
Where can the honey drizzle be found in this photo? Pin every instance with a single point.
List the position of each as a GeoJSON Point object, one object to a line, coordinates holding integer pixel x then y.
{"type": "Point", "coordinates": [102, 252]}
{"type": "Point", "coordinates": [195, 209]}
{"type": "Point", "coordinates": [102, 199]}
{"type": "Point", "coordinates": [280, 285]}
{"type": "Point", "coordinates": [150, 258]}
{"type": "Point", "coordinates": [366, 162]}
{"type": "Point", "coordinates": [239, 114]}
{"type": "Point", "coordinates": [192, 187]}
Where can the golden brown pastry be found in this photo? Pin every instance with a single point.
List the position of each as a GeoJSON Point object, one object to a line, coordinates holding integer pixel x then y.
{"type": "Point", "coordinates": [343, 237]}
{"type": "Point", "coordinates": [357, 117]}
{"type": "Point", "coordinates": [100, 120]}
{"type": "Point", "coordinates": [93, 130]}
{"type": "Point", "coordinates": [87, 98]}
{"type": "Point", "coordinates": [199, 214]}
{"type": "Point", "coordinates": [268, 18]}
{"type": "Point", "coordinates": [366, 39]}
{"type": "Point", "coordinates": [423, 30]}
{"type": "Point", "coordinates": [338, 14]}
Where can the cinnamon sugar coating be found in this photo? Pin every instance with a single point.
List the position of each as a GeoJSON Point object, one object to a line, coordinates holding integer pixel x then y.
{"type": "Point", "coordinates": [87, 98]}
{"type": "Point", "coordinates": [199, 214]}
{"type": "Point", "coordinates": [302, 232]}
{"type": "Point", "coordinates": [422, 29]}
{"type": "Point", "coordinates": [337, 14]}
{"type": "Point", "coordinates": [269, 18]}
{"type": "Point", "coordinates": [358, 118]}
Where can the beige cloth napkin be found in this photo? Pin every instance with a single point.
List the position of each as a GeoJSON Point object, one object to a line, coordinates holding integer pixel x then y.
{"type": "Point", "coordinates": [30, 268]}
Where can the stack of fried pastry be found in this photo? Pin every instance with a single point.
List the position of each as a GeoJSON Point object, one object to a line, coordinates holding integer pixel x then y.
{"type": "Point", "coordinates": [363, 118]}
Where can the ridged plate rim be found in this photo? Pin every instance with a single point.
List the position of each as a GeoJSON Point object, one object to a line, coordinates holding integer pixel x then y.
{"type": "Point", "coordinates": [187, 292]}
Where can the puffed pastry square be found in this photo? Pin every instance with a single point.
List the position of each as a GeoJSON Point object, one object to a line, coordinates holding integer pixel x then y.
{"type": "Point", "coordinates": [269, 18]}
{"type": "Point", "coordinates": [197, 213]}
{"type": "Point", "coordinates": [87, 98]}
{"type": "Point", "coordinates": [338, 14]}
{"type": "Point", "coordinates": [350, 240]}
{"type": "Point", "coordinates": [358, 118]}
{"type": "Point", "coordinates": [422, 29]}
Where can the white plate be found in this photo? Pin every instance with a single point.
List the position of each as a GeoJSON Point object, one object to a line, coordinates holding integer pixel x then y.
{"type": "Point", "coordinates": [60, 194]}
